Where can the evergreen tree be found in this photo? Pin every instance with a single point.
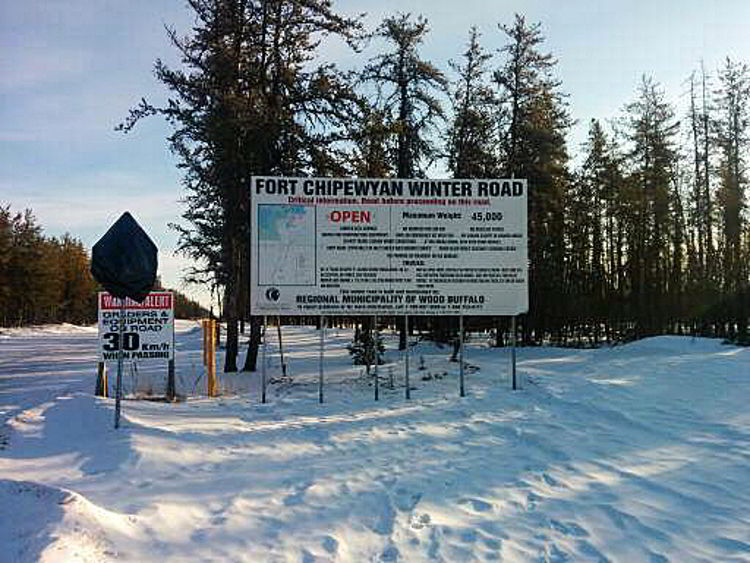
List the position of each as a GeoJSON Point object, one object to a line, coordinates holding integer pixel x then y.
{"type": "Point", "coordinates": [594, 234]}
{"type": "Point", "coordinates": [732, 128]}
{"type": "Point", "coordinates": [371, 133]}
{"type": "Point", "coordinates": [248, 100]}
{"type": "Point", "coordinates": [42, 279]}
{"type": "Point", "coordinates": [471, 138]}
{"type": "Point", "coordinates": [701, 204]}
{"type": "Point", "coordinates": [533, 121]}
{"type": "Point", "coordinates": [407, 90]}
{"type": "Point", "coordinates": [78, 289]}
{"type": "Point", "coordinates": [6, 248]}
{"type": "Point", "coordinates": [650, 129]}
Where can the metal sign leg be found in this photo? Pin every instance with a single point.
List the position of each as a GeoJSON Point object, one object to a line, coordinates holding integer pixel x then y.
{"type": "Point", "coordinates": [513, 352]}
{"type": "Point", "coordinates": [263, 360]}
{"type": "Point", "coordinates": [377, 357]}
{"type": "Point", "coordinates": [320, 364]}
{"type": "Point", "coordinates": [281, 346]}
{"type": "Point", "coordinates": [406, 357]}
{"type": "Point", "coordinates": [120, 359]}
{"type": "Point", "coordinates": [461, 353]}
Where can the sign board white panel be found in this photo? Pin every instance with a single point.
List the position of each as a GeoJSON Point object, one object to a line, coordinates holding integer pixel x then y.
{"type": "Point", "coordinates": [148, 332]}
{"type": "Point", "coordinates": [345, 246]}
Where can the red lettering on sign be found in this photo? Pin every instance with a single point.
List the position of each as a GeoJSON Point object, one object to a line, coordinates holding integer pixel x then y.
{"type": "Point", "coordinates": [350, 216]}
{"type": "Point", "coordinates": [155, 300]}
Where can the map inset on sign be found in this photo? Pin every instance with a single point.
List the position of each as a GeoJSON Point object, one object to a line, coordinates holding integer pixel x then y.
{"type": "Point", "coordinates": [286, 245]}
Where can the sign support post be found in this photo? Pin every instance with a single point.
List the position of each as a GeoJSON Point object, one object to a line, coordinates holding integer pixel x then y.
{"type": "Point", "coordinates": [281, 346]}
{"type": "Point", "coordinates": [406, 357]}
{"type": "Point", "coordinates": [212, 386]}
{"type": "Point", "coordinates": [101, 379]}
{"type": "Point", "coordinates": [171, 385]}
{"type": "Point", "coordinates": [513, 352]}
{"type": "Point", "coordinates": [120, 332]}
{"type": "Point", "coordinates": [263, 360]}
{"type": "Point", "coordinates": [204, 327]}
{"type": "Point", "coordinates": [377, 357]}
{"type": "Point", "coordinates": [461, 353]}
{"type": "Point", "coordinates": [320, 360]}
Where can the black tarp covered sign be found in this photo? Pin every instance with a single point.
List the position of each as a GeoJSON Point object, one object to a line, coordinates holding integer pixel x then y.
{"type": "Point", "coordinates": [124, 260]}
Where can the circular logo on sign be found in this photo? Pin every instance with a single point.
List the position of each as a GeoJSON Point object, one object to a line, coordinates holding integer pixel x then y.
{"type": "Point", "coordinates": [273, 294]}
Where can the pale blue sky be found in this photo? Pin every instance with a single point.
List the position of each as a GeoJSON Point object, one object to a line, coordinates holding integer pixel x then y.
{"type": "Point", "coordinates": [71, 69]}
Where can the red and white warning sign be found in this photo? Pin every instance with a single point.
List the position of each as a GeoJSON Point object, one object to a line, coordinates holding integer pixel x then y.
{"type": "Point", "coordinates": [148, 331]}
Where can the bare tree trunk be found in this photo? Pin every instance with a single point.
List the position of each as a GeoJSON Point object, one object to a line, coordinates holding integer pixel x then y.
{"type": "Point", "coordinates": [230, 314]}
{"type": "Point", "coordinates": [251, 360]}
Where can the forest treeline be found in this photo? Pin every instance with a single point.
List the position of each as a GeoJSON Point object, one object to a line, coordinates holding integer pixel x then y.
{"type": "Point", "coordinates": [640, 231]}
{"type": "Point", "coordinates": [48, 279]}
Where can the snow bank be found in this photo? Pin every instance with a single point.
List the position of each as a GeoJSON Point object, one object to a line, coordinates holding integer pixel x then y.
{"type": "Point", "coordinates": [633, 453]}
{"type": "Point", "coordinates": [50, 524]}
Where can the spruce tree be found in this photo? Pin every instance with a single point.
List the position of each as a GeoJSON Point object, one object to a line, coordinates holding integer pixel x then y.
{"type": "Point", "coordinates": [650, 129]}
{"type": "Point", "coordinates": [407, 93]}
{"type": "Point", "coordinates": [732, 128]}
{"type": "Point", "coordinates": [471, 137]}
{"type": "Point", "coordinates": [533, 121]}
{"type": "Point", "coordinates": [248, 100]}
{"type": "Point", "coordinates": [407, 100]}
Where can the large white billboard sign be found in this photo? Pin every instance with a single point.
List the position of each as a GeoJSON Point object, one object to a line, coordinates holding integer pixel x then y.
{"type": "Point", "coordinates": [148, 332]}
{"type": "Point", "coordinates": [344, 246]}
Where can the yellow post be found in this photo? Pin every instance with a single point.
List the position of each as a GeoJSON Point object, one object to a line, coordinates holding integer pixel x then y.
{"type": "Point", "coordinates": [214, 346]}
{"type": "Point", "coordinates": [213, 388]}
{"type": "Point", "coordinates": [204, 330]}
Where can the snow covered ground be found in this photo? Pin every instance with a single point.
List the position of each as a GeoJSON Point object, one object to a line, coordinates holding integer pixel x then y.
{"type": "Point", "coordinates": [633, 453]}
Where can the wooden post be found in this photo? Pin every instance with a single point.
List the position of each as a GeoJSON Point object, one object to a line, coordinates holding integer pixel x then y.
{"type": "Point", "coordinates": [281, 346]}
{"type": "Point", "coordinates": [211, 382]}
{"type": "Point", "coordinates": [217, 335]}
{"type": "Point", "coordinates": [101, 380]}
{"type": "Point", "coordinates": [204, 329]}
{"type": "Point", "coordinates": [171, 387]}
{"type": "Point", "coordinates": [171, 384]}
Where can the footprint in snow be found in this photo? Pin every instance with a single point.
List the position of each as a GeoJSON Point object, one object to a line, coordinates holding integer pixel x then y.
{"type": "Point", "coordinates": [736, 547]}
{"type": "Point", "coordinates": [568, 529]}
{"type": "Point", "coordinates": [330, 544]}
{"type": "Point", "coordinates": [419, 522]}
{"type": "Point", "coordinates": [405, 501]}
{"type": "Point", "coordinates": [218, 520]}
{"type": "Point", "coordinates": [386, 481]}
{"type": "Point", "coordinates": [390, 553]}
{"type": "Point", "coordinates": [554, 554]}
{"type": "Point", "coordinates": [298, 495]}
{"type": "Point", "coordinates": [493, 544]}
{"type": "Point", "coordinates": [476, 504]}
{"type": "Point", "coordinates": [377, 512]}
